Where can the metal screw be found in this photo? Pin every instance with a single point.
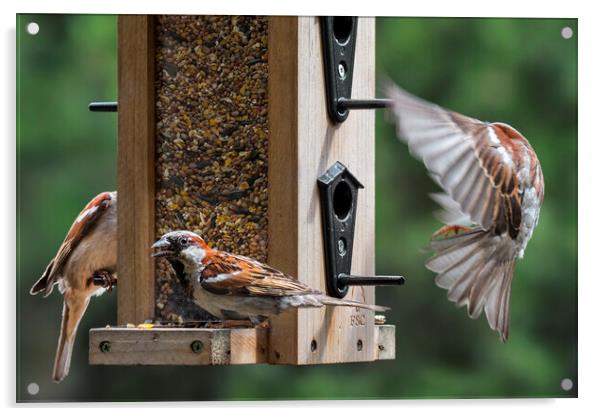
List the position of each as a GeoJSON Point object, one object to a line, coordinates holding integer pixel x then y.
{"type": "Point", "coordinates": [33, 388]}
{"type": "Point", "coordinates": [105, 346]}
{"type": "Point", "coordinates": [196, 346]}
{"type": "Point", "coordinates": [566, 32]}
{"type": "Point", "coordinates": [342, 246]}
{"type": "Point", "coordinates": [566, 384]}
{"type": "Point", "coordinates": [341, 68]}
{"type": "Point", "coordinates": [33, 28]}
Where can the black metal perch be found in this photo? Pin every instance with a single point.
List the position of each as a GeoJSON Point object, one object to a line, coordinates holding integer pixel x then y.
{"type": "Point", "coordinates": [338, 197]}
{"type": "Point", "coordinates": [338, 47]}
{"type": "Point", "coordinates": [103, 107]}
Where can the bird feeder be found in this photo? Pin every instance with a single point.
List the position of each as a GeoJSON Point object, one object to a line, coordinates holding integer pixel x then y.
{"type": "Point", "coordinates": [227, 127]}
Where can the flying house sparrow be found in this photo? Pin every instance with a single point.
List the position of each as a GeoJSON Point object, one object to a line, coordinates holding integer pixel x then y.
{"type": "Point", "coordinates": [233, 287]}
{"type": "Point", "coordinates": [493, 183]}
{"type": "Point", "coordinates": [88, 253]}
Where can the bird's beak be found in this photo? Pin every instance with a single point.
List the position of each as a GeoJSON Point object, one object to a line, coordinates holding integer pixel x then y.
{"type": "Point", "coordinates": [162, 247]}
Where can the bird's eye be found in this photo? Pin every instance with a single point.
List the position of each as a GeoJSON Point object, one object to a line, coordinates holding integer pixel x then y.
{"type": "Point", "coordinates": [183, 241]}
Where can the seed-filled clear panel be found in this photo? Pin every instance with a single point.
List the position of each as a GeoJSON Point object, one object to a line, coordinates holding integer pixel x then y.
{"type": "Point", "coordinates": [211, 78]}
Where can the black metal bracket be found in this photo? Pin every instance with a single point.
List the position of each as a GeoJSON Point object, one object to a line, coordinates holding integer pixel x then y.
{"type": "Point", "coordinates": [338, 48]}
{"type": "Point", "coordinates": [104, 107]}
{"type": "Point", "coordinates": [338, 196]}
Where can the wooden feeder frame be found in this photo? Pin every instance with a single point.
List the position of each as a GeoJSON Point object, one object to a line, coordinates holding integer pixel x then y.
{"type": "Point", "coordinates": [303, 143]}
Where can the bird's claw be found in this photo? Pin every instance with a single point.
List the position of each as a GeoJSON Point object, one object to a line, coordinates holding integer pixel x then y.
{"type": "Point", "coordinates": [265, 324]}
{"type": "Point", "coordinates": [446, 230]}
{"type": "Point", "coordinates": [105, 279]}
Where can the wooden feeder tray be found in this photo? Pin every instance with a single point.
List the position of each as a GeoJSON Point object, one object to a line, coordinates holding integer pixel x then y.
{"type": "Point", "coordinates": [185, 345]}
{"type": "Point", "coordinates": [177, 345]}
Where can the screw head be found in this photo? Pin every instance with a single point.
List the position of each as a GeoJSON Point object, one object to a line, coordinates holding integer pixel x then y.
{"type": "Point", "coordinates": [196, 346]}
{"type": "Point", "coordinates": [105, 346]}
{"type": "Point", "coordinates": [566, 384]}
{"type": "Point", "coordinates": [33, 388]}
{"type": "Point", "coordinates": [342, 246]}
{"type": "Point", "coordinates": [341, 69]}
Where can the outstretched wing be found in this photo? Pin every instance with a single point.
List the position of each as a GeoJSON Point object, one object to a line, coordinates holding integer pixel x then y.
{"type": "Point", "coordinates": [472, 161]}
{"type": "Point", "coordinates": [84, 222]}
{"type": "Point", "coordinates": [228, 274]}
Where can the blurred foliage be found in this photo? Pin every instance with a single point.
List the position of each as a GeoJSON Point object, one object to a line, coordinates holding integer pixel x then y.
{"type": "Point", "coordinates": [520, 71]}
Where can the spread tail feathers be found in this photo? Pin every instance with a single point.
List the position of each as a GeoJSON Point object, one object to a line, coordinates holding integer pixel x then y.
{"type": "Point", "coordinates": [327, 300]}
{"type": "Point", "coordinates": [72, 315]}
{"type": "Point", "coordinates": [477, 272]}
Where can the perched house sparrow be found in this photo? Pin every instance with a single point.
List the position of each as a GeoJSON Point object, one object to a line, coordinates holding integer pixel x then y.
{"type": "Point", "coordinates": [88, 253]}
{"type": "Point", "coordinates": [233, 287]}
{"type": "Point", "coordinates": [493, 183]}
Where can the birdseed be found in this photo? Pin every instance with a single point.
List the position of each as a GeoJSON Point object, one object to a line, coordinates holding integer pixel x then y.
{"type": "Point", "coordinates": [211, 141]}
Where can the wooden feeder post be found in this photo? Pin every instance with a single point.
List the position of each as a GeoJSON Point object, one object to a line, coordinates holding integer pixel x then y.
{"type": "Point", "coordinates": [135, 169]}
{"type": "Point", "coordinates": [302, 143]}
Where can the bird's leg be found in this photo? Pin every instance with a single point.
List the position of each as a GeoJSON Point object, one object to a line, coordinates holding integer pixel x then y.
{"type": "Point", "coordinates": [446, 230]}
{"type": "Point", "coordinates": [103, 278]}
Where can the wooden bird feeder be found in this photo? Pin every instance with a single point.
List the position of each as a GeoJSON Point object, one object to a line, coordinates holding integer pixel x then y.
{"type": "Point", "coordinates": [224, 130]}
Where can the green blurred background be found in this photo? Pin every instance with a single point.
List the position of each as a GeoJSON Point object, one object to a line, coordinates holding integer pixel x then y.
{"type": "Point", "coordinates": [520, 71]}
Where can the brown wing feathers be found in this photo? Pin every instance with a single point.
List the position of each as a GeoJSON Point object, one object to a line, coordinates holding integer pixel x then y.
{"type": "Point", "coordinates": [468, 163]}
{"type": "Point", "coordinates": [42, 283]}
{"type": "Point", "coordinates": [502, 203]}
{"type": "Point", "coordinates": [229, 274]}
{"type": "Point", "coordinates": [81, 226]}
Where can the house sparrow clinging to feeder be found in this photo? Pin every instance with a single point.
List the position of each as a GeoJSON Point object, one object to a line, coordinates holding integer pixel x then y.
{"type": "Point", "coordinates": [88, 252]}
{"type": "Point", "coordinates": [233, 287]}
{"type": "Point", "coordinates": [493, 182]}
